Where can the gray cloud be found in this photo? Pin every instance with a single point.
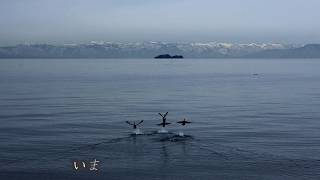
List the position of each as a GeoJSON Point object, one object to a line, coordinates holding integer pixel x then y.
{"type": "Point", "coordinates": [65, 21]}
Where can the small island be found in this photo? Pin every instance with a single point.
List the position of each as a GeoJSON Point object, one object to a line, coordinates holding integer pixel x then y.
{"type": "Point", "coordinates": [168, 56]}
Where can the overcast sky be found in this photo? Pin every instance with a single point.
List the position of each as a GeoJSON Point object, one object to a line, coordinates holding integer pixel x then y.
{"type": "Point", "coordinates": [74, 21]}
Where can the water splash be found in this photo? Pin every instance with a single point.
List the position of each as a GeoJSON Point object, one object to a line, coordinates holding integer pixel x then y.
{"type": "Point", "coordinates": [137, 132]}
{"type": "Point", "coordinates": [162, 130]}
{"type": "Point", "coordinates": [181, 134]}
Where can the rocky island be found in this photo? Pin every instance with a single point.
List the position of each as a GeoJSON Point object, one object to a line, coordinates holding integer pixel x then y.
{"type": "Point", "coordinates": [168, 56]}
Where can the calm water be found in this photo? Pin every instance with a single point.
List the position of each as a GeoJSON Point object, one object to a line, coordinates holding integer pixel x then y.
{"type": "Point", "coordinates": [252, 119]}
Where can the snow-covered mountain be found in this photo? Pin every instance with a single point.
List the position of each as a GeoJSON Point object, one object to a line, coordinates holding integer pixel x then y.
{"type": "Point", "coordinates": [138, 50]}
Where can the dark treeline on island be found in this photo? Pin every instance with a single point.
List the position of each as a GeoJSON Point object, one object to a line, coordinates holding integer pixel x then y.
{"type": "Point", "coordinates": [151, 49]}
{"type": "Point", "coordinates": [168, 56]}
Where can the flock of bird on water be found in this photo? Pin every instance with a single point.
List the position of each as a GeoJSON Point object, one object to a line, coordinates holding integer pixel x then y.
{"type": "Point", "coordinates": [137, 131]}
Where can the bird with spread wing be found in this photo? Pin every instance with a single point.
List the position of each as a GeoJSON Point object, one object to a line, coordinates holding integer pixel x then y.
{"type": "Point", "coordinates": [134, 124]}
{"type": "Point", "coordinates": [164, 120]}
{"type": "Point", "coordinates": [184, 122]}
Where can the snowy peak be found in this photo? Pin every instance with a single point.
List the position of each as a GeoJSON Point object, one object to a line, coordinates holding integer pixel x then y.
{"type": "Point", "coordinates": [101, 49]}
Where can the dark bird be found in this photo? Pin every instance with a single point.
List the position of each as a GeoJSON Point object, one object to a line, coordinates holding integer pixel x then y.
{"type": "Point", "coordinates": [164, 119]}
{"type": "Point", "coordinates": [134, 124]}
{"type": "Point", "coordinates": [184, 122]}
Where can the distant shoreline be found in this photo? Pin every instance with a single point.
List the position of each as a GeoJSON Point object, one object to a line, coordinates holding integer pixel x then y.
{"type": "Point", "coordinates": [150, 50]}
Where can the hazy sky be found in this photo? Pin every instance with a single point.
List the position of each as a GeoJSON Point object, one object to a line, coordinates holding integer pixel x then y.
{"type": "Point", "coordinates": [74, 21]}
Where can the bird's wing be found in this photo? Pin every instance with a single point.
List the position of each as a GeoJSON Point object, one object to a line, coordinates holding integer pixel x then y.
{"type": "Point", "coordinates": [128, 122]}
{"type": "Point", "coordinates": [165, 114]}
{"type": "Point", "coordinates": [160, 114]}
{"type": "Point", "coordinates": [140, 122]}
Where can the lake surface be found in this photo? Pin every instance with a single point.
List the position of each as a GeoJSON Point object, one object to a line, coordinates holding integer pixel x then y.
{"type": "Point", "coordinates": [251, 118]}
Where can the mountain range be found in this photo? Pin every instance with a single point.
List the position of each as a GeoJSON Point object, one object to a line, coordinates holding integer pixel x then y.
{"type": "Point", "coordinates": [151, 49]}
